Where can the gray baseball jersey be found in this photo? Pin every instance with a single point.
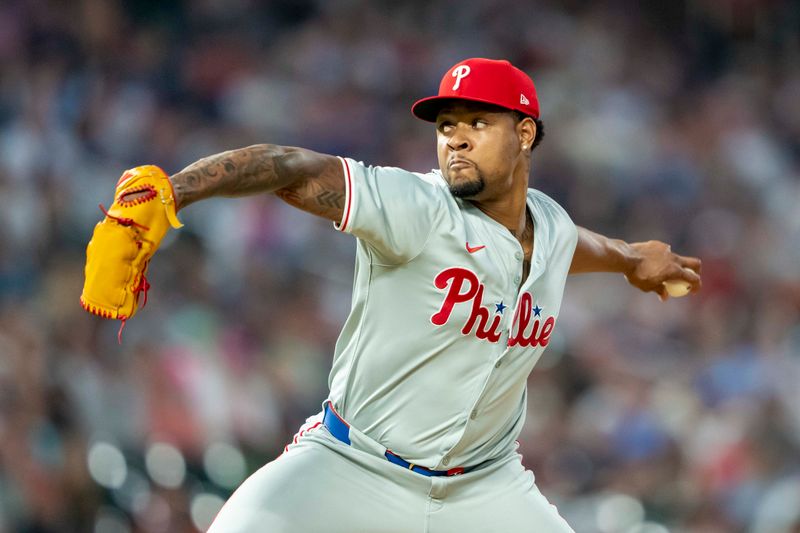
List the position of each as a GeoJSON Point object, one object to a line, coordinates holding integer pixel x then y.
{"type": "Point", "coordinates": [431, 364]}
{"type": "Point", "coordinates": [433, 360]}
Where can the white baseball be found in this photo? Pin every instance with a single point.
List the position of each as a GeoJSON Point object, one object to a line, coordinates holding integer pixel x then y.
{"type": "Point", "coordinates": [677, 287]}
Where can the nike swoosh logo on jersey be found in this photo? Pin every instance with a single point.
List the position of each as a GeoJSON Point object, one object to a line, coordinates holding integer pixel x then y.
{"type": "Point", "coordinates": [473, 249]}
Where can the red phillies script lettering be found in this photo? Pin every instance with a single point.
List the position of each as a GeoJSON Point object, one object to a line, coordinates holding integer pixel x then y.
{"type": "Point", "coordinates": [539, 334]}
{"type": "Point", "coordinates": [463, 286]}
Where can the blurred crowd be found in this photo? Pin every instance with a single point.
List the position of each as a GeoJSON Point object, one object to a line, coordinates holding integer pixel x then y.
{"type": "Point", "coordinates": [677, 121]}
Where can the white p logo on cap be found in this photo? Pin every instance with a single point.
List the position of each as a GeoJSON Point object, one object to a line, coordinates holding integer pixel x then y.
{"type": "Point", "coordinates": [460, 72]}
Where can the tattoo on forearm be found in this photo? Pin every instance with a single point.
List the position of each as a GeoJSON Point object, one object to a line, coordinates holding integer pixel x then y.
{"type": "Point", "coordinates": [323, 196]}
{"type": "Point", "coordinates": [330, 199]}
{"type": "Point", "coordinates": [290, 196]}
{"type": "Point", "coordinates": [233, 173]}
{"type": "Point", "coordinates": [304, 179]}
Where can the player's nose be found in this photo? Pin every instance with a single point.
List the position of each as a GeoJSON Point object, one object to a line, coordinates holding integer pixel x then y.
{"type": "Point", "coordinates": [458, 139]}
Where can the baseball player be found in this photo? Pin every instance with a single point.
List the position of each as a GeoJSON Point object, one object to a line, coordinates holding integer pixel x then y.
{"type": "Point", "coordinates": [458, 284]}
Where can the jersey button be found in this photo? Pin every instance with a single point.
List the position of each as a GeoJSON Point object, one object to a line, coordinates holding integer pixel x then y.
{"type": "Point", "coordinates": [446, 460]}
{"type": "Point", "coordinates": [497, 364]}
{"type": "Point", "coordinates": [473, 414]}
{"type": "Point", "coordinates": [516, 279]}
{"type": "Point", "coordinates": [518, 255]}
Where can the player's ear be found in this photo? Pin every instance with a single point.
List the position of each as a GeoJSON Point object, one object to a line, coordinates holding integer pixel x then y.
{"type": "Point", "coordinates": [526, 131]}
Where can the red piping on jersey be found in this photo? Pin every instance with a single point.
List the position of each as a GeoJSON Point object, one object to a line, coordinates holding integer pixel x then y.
{"type": "Point", "coordinates": [300, 434]}
{"type": "Point", "coordinates": [303, 432]}
{"type": "Point", "coordinates": [349, 199]}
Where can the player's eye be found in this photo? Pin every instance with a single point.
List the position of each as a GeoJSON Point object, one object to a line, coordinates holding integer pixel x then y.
{"type": "Point", "coordinates": [445, 127]}
{"type": "Point", "coordinates": [479, 123]}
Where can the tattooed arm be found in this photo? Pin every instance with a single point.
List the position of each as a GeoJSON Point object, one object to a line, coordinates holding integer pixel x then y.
{"type": "Point", "coordinates": [307, 180]}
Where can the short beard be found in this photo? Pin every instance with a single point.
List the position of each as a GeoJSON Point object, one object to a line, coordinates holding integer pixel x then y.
{"type": "Point", "coordinates": [468, 189]}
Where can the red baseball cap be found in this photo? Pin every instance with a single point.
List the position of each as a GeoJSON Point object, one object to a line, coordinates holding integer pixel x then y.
{"type": "Point", "coordinates": [490, 81]}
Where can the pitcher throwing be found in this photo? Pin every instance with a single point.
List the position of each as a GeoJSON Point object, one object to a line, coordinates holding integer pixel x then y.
{"type": "Point", "coordinates": [458, 284]}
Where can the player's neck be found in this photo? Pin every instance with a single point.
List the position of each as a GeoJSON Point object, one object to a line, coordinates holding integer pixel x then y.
{"type": "Point", "coordinates": [509, 209]}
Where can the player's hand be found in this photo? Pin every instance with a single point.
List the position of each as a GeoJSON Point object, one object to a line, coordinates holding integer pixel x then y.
{"type": "Point", "coordinates": [656, 263]}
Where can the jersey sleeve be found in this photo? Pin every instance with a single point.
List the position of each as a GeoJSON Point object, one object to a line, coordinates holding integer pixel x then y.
{"type": "Point", "coordinates": [569, 236]}
{"type": "Point", "coordinates": [563, 234]}
{"type": "Point", "coordinates": [390, 209]}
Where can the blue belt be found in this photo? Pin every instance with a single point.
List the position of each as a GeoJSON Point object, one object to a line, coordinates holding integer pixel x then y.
{"type": "Point", "coordinates": [341, 430]}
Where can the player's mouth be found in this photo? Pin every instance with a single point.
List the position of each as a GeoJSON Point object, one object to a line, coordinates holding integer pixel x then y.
{"type": "Point", "coordinates": [458, 163]}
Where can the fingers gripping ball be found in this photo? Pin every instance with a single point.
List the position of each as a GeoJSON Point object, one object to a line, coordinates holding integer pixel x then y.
{"type": "Point", "coordinates": [124, 241]}
{"type": "Point", "coordinates": [677, 287]}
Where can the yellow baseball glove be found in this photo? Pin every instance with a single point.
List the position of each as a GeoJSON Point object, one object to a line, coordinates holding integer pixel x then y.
{"type": "Point", "coordinates": [124, 241]}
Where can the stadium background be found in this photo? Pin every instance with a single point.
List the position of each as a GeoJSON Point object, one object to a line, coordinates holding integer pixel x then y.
{"type": "Point", "coordinates": [674, 120]}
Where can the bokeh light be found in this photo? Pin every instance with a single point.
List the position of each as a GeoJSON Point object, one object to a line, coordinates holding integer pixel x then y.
{"type": "Point", "coordinates": [648, 527]}
{"type": "Point", "coordinates": [107, 465]}
{"type": "Point", "coordinates": [165, 465]}
{"type": "Point", "coordinates": [225, 464]}
{"type": "Point", "coordinates": [204, 508]}
{"type": "Point", "coordinates": [618, 512]}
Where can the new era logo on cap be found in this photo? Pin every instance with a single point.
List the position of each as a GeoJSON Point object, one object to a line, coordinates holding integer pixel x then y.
{"type": "Point", "coordinates": [489, 81]}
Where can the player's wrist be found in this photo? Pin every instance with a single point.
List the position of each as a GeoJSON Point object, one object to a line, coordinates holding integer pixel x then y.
{"type": "Point", "coordinates": [185, 189]}
{"type": "Point", "coordinates": [177, 192]}
{"type": "Point", "coordinates": [631, 256]}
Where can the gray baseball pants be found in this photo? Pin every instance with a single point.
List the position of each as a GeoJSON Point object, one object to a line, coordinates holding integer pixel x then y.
{"type": "Point", "coordinates": [321, 485]}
